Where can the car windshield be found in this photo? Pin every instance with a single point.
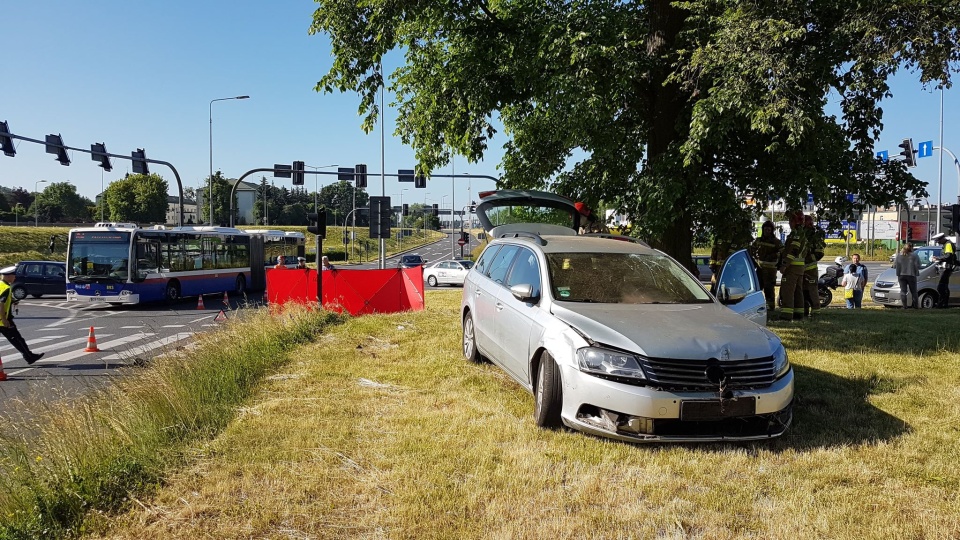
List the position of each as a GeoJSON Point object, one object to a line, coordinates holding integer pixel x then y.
{"type": "Point", "coordinates": [411, 259]}
{"type": "Point", "coordinates": [622, 278]}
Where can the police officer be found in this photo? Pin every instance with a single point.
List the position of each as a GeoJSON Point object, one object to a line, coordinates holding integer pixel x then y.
{"type": "Point", "coordinates": [7, 326]}
{"type": "Point", "coordinates": [766, 251]}
{"type": "Point", "coordinates": [947, 261]}
{"type": "Point", "coordinates": [816, 244]}
{"type": "Point", "coordinates": [792, 262]}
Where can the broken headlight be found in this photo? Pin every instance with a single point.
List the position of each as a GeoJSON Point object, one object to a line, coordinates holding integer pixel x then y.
{"type": "Point", "coordinates": [598, 361]}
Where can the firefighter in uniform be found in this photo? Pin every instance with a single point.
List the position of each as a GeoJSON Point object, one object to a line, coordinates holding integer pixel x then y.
{"type": "Point", "coordinates": [816, 244]}
{"type": "Point", "coordinates": [718, 255]}
{"type": "Point", "coordinates": [792, 262]}
{"type": "Point", "coordinates": [766, 251]}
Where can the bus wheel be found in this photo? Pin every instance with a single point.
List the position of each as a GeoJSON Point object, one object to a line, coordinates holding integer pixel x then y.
{"type": "Point", "coordinates": [241, 284]}
{"type": "Point", "coordinates": [173, 290]}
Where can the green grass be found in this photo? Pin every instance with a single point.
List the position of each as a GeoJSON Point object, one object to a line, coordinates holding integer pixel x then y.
{"type": "Point", "coordinates": [28, 243]}
{"type": "Point", "coordinates": [66, 464]}
{"type": "Point", "coordinates": [382, 429]}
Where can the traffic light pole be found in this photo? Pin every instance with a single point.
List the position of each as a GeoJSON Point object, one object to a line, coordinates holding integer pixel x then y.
{"type": "Point", "coordinates": [118, 156]}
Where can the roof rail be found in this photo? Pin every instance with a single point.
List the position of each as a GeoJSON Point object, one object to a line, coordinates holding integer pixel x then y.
{"type": "Point", "coordinates": [523, 234]}
{"type": "Point", "coordinates": [621, 237]}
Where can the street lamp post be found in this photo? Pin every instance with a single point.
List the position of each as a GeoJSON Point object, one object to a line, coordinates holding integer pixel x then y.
{"type": "Point", "coordinates": [316, 183]}
{"type": "Point", "coordinates": [210, 182]}
{"type": "Point", "coordinates": [36, 195]}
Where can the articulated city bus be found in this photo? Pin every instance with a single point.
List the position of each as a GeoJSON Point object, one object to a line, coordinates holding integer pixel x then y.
{"type": "Point", "coordinates": [124, 264]}
{"type": "Point", "coordinates": [290, 244]}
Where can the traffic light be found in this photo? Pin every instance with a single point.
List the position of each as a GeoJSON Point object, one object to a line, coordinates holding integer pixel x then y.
{"type": "Point", "coordinates": [406, 210]}
{"type": "Point", "coordinates": [464, 236]}
{"type": "Point", "coordinates": [55, 146]}
{"type": "Point", "coordinates": [908, 158]}
{"type": "Point", "coordinates": [381, 217]}
{"type": "Point", "coordinates": [436, 209]}
{"type": "Point", "coordinates": [318, 223]}
{"type": "Point", "coordinates": [139, 163]}
{"type": "Point", "coordinates": [281, 170]}
{"type": "Point", "coordinates": [405, 175]}
{"type": "Point", "coordinates": [297, 173]}
{"type": "Point", "coordinates": [6, 141]}
{"type": "Point", "coordinates": [420, 180]}
{"type": "Point", "coordinates": [955, 217]}
{"type": "Point", "coordinates": [909, 233]}
{"type": "Point", "coordinates": [98, 152]}
{"type": "Point", "coordinates": [360, 171]}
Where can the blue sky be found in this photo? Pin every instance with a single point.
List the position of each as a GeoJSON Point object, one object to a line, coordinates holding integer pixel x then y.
{"type": "Point", "coordinates": [142, 74]}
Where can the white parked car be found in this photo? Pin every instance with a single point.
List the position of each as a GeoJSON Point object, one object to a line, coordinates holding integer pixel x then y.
{"type": "Point", "coordinates": [447, 272]}
{"type": "Point", "coordinates": [617, 339]}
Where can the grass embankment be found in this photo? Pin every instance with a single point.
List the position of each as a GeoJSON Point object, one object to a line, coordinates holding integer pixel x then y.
{"type": "Point", "coordinates": [28, 243]}
{"type": "Point", "coordinates": [382, 430]}
{"type": "Point", "coordinates": [365, 248]}
{"type": "Point", "coordinates": [71, 462]}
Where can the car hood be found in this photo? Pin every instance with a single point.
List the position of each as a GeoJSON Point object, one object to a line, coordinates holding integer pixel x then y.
{"type": "Point", "coordinates": [693, 331]}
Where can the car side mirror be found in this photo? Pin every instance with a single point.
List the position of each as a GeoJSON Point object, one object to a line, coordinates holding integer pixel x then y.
{"type": "Point", "coordinates": [523, 292]}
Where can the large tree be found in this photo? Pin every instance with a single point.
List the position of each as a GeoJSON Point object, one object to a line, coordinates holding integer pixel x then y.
{"type": "Point", "coordinates": [669, 111]}
{"type": "Point", "coordinates": [140, 198]}
{"type": "Point", "coordinates": [60, 202]}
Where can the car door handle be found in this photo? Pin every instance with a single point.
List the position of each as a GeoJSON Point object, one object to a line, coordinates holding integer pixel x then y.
{"type": "Point", "coordinates": [477, 292]}
{"type": "Point", "coordinates": [499, 306]}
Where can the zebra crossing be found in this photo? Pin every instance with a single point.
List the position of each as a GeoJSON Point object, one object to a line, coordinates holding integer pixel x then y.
{"type": "Point", "coordinates": [62, 347]}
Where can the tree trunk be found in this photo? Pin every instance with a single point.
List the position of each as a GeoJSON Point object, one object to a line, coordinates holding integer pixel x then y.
{"type": "Point", "coordinates": [667, 103]}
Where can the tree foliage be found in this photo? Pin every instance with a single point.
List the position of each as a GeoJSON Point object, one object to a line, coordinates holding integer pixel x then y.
{"type": "Point", "coordinates": [671, 112]}
{"type": "Point", "coordinates": [139, 198]}
{"type": "Point", "coordinates": [59, 202]}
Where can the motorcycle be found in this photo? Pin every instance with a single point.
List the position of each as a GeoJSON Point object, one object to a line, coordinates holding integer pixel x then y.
{"type": "Point", "coordinates": [825, 285]}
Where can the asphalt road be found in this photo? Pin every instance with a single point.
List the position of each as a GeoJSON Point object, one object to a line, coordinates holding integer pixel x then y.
{"type": "Point", "coordinates": [124, 335]}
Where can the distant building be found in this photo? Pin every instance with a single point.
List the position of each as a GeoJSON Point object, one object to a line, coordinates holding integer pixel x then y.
{"type": "Point", "coordinates": [246, 198]}
{"type": "Point", "coordinates": [189, 210]}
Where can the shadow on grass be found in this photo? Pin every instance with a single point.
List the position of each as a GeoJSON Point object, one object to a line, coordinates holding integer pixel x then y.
{"type": "Point", "coordinates": [891, 331]}
{"type": "Point", "coordinates": [830, 411]}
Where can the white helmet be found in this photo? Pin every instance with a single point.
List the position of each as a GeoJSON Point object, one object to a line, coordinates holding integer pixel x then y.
{"type": "Point", "coordinates": [840, 260]}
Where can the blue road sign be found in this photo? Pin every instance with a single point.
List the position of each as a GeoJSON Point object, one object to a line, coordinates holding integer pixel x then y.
{"type": "Point", "coordinates": [884, 155]}
{"type": "Point", "coordinates": [925, 149]}
{"type": "Point", "coordinates": [810, 199]}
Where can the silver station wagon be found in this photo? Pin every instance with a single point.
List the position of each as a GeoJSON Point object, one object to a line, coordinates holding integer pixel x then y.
{"type": "Point", "coordinates": [617, 339]}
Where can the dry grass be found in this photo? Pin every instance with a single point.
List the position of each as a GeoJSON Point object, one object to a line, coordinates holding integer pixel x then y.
{"type": "Point", "coordinates": [382, 430]}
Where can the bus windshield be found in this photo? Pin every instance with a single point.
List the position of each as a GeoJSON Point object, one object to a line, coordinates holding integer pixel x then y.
{"type": "Point", "coordinates": [99, 255]}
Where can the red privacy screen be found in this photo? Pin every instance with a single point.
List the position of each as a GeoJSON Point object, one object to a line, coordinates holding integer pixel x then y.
{"type": "Point", "coordinates": [357, 292]}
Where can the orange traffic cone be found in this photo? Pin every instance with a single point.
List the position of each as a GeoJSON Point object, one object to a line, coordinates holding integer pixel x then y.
{"type": "Point", "coordinates": [91, 343]}
{"type": "Point", "coordinates": [200, 302]}
{"type": "Point", "coordinates": [3, 375]}
{"type": "Point", "coordinates": [226, 299]}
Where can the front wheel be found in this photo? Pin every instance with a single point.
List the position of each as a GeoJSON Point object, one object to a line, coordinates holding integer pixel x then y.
{"type": "Point", "coordinates": [549, 394]}
{"type": "Point", "coordinates": [927, 300]}
{"type": "Point", "coordinates": [825, 296]}
{"type": "Point", "coordinates": [173, 291]}
{"type": "Point", "coordinates": [19, 293]}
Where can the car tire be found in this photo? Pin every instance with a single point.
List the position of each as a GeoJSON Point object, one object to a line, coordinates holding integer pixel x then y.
{"type": "Point", "coordinates": [36, 295]}
{"type": "Point", "coordinates": [19, 293]}
{"type": "Point", "coordinates": [470, 340]}
{"type": "Point", "coordinates": [548, 394]}
{"type": "Point", "coordinates": [172, 292]}
{"type": "Point", "coordinates": [432, 281]}
{"type": "Point", "coordinates": [927, 300]}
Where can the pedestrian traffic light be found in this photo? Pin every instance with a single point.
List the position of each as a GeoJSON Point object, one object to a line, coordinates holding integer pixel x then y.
{"type": "Point", "coordinates": [318, 222]}
{"type": "Point", "coordinates": [98, 152]}
{"type": "Point", "coordinates": [360, 175]}
{"type": "Point", "coordinates": [6, 141]}
{"type": "Point", "coordinates": [297, 173]}
{"type": "Point", "coordinates": [139, 161]}
{"type": "Point", "coordinates": [908, 158]}
{"type": "Point", "coordinates": [420, 180]}
{"type": "Point", "coordinates": [955, 217]}
{"type": "Point", "coordinates": [55, 146]}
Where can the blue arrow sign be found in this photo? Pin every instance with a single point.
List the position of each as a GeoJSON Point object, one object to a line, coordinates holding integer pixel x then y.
{"type": "Point", "coordinates": [925, 149]}
{"type": "Point", "coordinates": [884, 155]}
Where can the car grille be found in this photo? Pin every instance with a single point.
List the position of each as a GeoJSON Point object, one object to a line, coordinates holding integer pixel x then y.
{"type": "Point", "coordinates": [885, 284]}
{"type": "Point", "coordinates": [680, 374]}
